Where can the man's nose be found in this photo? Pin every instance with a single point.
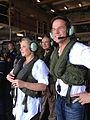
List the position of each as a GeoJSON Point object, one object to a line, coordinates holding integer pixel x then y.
{"type": "Point", "coordinates": [57, 30]}
{"type": "Point", "coordinates": [44, 43]}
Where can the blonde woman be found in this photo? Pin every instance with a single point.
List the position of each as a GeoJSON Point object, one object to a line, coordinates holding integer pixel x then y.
{"type": "Point", "coordinates": [30, 76]}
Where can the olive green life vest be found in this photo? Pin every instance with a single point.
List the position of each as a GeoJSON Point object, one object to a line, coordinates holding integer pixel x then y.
{"type": "Point", "coordinates": [25, 74]}
{"type": "Point", "coordinates": [61, 68]}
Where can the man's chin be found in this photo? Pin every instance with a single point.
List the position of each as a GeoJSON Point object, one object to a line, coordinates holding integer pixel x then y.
{"type": "Point", "coordinates": [57, 40]}
{"type": "Point", "coordinates": [23, 56]}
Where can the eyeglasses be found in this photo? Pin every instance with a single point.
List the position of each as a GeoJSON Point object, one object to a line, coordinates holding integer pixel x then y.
{"type": "Point", "coordinates": [45, 41]}
{"type": "Point", "coordinates": [59, 29]}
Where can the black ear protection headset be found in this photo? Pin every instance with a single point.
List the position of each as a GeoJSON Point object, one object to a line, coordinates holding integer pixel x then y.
{"type": "Point", "coordinates": [51, 41]}
{"type": "Point", "coordinates": [70, 28]}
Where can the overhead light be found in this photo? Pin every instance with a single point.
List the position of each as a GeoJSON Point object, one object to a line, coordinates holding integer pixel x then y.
{"type": "Point", "coordinates": [40, 38]}
{"type": "Point", "coordinates": [1, 27]}
{"type": "Point", "coordinates": [38, 0]}
{"type": "Point", "coordinates": [65, 7]}
{"type": "Point", "coordinates": [78, 38]}
{"type": "Point", "coordinates": [20, 34]}
{"type": "Point", "coordinates": [31, 15]}
{"type": "Point", "coordinates": [80, 4]}
{"type": "Point", "coordinates": [52, 10]}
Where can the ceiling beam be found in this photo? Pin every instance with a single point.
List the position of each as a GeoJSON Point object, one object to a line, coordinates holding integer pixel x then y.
{"type": "Point", "coordinates": [49, 1]}
{"type": "Point", "coordinates": [3, 0]}
{"type": "Point", "coordinates": [55, 2]}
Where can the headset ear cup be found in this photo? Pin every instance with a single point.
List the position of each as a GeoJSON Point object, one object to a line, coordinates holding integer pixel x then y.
{"type": "Point", "coordinates": [71, 31]}
{"type": "Point", "coordinates": [51, 36]}
{"type": "Point", "coordinates": [41, 44]}
{"type": "Point", "coordinates": [33, 46]}
{"type": "Point", "coordinates": [51, 43]}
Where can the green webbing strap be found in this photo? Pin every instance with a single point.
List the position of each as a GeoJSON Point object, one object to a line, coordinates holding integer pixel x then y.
{"type": "Point", "coordinates": [68, 95]}
{"type": "Point", "coordinates": [25, 103]}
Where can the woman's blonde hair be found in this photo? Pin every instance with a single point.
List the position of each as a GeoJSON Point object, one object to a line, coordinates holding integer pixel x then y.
{"type": "Point", "coordinates": [27, 40]}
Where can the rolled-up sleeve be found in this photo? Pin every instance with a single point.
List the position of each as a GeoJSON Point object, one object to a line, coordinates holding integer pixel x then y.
{"type": "Point", "coordinates": [80, 55]}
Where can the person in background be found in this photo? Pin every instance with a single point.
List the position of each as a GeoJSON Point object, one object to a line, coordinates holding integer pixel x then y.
{"type": "Point", "coordinates": [47, 49]}
{"type": "Point", "coordinates": [29, 77]}
{"type": "Point", "coordinates": [10, 56]}
{"type": "Point", "coordinates": [48, 96]}
{"type": "Point", "coordinates": [68, 67]}
{"type": "Point", "coordinates": [18, 56]}
{"type": "Point", "coordinates": [2, 86]}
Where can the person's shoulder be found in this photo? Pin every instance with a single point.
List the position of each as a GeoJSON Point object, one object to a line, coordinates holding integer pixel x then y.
{"type": "Point", "coordinates": [40, 65]}
{"type": "Point", "coordinates": [39, 61]}
{"type": "Point", "coordinates": [79, 45]}
{"type": "Point", "coordinates": [14, 53]}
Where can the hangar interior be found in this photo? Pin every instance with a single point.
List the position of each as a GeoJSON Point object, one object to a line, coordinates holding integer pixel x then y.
{"type": "Point", "coordinates": [32, 18]}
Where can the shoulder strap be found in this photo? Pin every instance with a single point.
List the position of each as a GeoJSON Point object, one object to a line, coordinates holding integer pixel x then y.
{"type": "Point", "coordinates": [53, 62]}
{"type": "Point", "coordinates": [18, 66]}
{"type": "Point", "coordinates": [62, 62]}
{"type": "Point", "coordinates": [25, 71]}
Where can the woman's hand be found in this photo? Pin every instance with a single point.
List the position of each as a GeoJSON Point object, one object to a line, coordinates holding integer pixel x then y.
{"type": "Point", "coordinates": [18, 83]}
{"type": "Point", "coordinates": [10, 77]}
{"type": "Point", "coordinates": [32, 86]}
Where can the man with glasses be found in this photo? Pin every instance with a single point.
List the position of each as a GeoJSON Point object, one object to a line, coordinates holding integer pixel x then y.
{"type": "Point", "coordinates": [48, 96]}
{"type": "Point", "coordinates": [68, 67]}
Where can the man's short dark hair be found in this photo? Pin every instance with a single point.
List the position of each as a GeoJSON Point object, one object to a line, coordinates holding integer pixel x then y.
{"type": "Point", "coordinates": [68, 23]}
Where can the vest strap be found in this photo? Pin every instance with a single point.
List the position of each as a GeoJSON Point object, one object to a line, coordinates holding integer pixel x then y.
{"type": "Point", "coordinates": [25, 103]}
